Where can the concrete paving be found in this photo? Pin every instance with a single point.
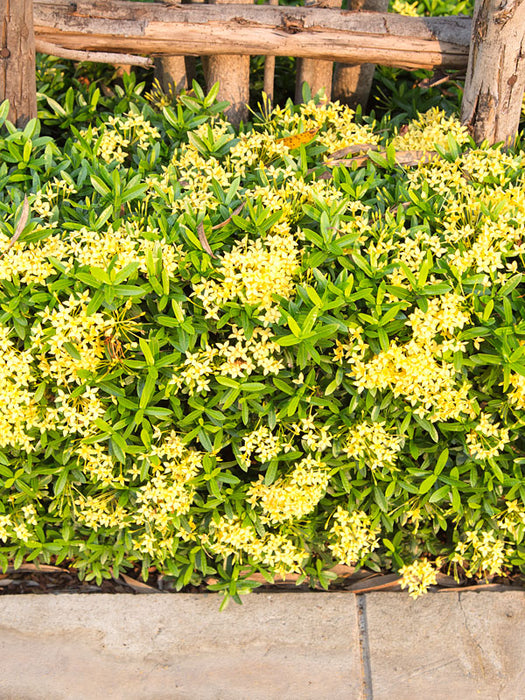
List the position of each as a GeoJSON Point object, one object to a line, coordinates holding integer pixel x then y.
{"type": "Point", "coordinates": [445, 646]}
{"type": "Point", "coordinates": [166, 647]}
{"type": "Point", "coordinates": [292, 645]}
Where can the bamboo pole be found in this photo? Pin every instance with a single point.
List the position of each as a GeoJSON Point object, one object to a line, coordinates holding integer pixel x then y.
{"type": "Point", "coordinates": [17, 60]}
{"type": "Point", "coordinates": [495, 79]}
{"type": "Point", "coordinates": [327, 34]}
{"type": "Point", "coordinates": [352, 83]}
{"type": "Point", "coordinates": [316, 73]}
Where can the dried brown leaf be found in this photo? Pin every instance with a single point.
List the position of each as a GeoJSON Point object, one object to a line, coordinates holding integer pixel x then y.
{"type": "Point", "coordinates": [355, 148]}
{"type": "Point", "coordinates": [227, 221]}
{"type": "Point", "coordinates": [204, 240]}
{"type": "Point", "coordinates": [376, 583]}
{"type": "Point", "coordinates": [22, 221]}
{"type": "Point", "coordinates": [38, 568]}
{"type": "Point", "coordinates": [138, 586]}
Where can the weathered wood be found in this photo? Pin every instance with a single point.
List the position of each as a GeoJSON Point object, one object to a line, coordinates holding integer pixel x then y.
{"type": "Point", "coordinates": [352, 83]}
{"type": "Point", "coordinates": [170, 71]}
{"type": "Point", "coordinates": [94, 56]}
{"type": "Point", "coordinates": [315, 73]}
{"type": "Point", "coordinates": [17, 60]}
{"type": "Point", "coordinates": [232, 72]}
{"type": "Point", "coordinates": [269, 68]}
{"type": "Point", "coordinates": [328, 34]}
{"type": "Point", "coordinates": [496, 71]}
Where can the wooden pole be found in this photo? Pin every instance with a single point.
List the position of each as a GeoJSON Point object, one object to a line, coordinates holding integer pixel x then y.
{"type": "Point", "coordinates": [232, 72]}
{"type": "Point", "coordinates": [17, 60]}
{"type": "Point", "coordinates": [495, 80]}
{"type": "Point", "coordinates": [170, 71]}
{"type": "Point", "coordinates": [269, 68]}
{"type": "Point", "coordinates": [318, 74]}
{"type": "Point", "coordinates": [199, 30]}
{"type": "Point", "coordinates": [352, 83]}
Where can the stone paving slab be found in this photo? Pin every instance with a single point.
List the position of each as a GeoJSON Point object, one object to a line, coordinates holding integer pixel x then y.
{"type": "Point", "coordinates": [282, 646]}
{"type": "Point", "coordinates": [445, 646]}
{"type": "Point", "coordinates": [171, 647]}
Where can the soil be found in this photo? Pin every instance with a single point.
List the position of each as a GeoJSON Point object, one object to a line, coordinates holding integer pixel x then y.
{"type": "Point", "coordinates": [50, 579]}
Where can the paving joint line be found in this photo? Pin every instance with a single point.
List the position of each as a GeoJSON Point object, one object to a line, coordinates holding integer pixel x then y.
{"type": "Point", "coordinates": [364, 649]}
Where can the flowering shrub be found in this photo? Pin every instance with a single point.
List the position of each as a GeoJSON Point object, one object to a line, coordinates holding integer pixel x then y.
{"type": "Point", "coordinates": [223, 354]}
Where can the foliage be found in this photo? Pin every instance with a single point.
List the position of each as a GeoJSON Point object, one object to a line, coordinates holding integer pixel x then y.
{"type": "Point", "coordinates": [224, 355]}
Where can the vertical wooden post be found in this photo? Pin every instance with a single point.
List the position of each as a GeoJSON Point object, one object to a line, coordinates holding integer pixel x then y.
{"type": "Point", "coordinates": [318, 74]}
{"type": "Point", "coordinates": [17, 60]}
{"type": "Point", "coordinates": [496, 71]}
{"type": "Point", "coordinates": [170, 71]}
{"type": "Point", "coordinates": [233, 75]}
{"type": "Point", "coordinates": [175, 73]}
{"type": "Point", "coordinates": [269, 68]}
{"type": "Point", "coordinates": [352, 83]}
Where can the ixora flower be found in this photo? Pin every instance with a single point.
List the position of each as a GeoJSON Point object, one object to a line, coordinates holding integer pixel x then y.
{"type": "Point", "coordinates": [226, 354]}
{"type": "Point", "coordinates": [418, 577]}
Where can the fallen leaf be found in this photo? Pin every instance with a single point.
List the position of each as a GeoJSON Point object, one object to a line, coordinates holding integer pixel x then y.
{"type": "Point", "coordinates": [204, 240]}
{"type": "Point", "coordinates": [227, 221]}
{"type": "Point", "coordinates": [36, 568]}
{"type": "Point", "coordinates": [376, 583]}
{"type": "Point", "coordinates": [298, 139]}
{"type": "Point", "coordinates": [138, 586]}
{"type": "Point", "coordinates": [24, 216]}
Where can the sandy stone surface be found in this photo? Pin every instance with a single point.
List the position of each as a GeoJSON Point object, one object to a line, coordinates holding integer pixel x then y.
{"type": "Point", "coordinates": [166, 647]}
{"type": "Point", "coordinates": [445, 646]}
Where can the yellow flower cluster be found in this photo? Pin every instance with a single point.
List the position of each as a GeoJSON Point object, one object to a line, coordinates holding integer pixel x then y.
{"type": "Point", "coordinates": [402, 7]}
{"type": "Point", "coordinates": [260, 444]}
{"type": "Point", "coordinates": [415, 370]}
{"type": "Point", "coordinates": [482, 553]}
{"type": "Point", "coordinates": [487, 439]}
{"type": "Point", "coordinates": [228, 537]}
{"type": "Point", "coordinates": [430, 129]}
{"type": "Point", "coordinates": [18, 410]}
{"type": "Point", "coordinates": [96, 463]}
{"type": "Point", "coordinates": [232, 359]}
{"type": "Point", "coordinates": [74, 414]}
{"type": "Point", "coordinates": [99, 511]}
{"type": "Point", "coordinates": [517, 395]}
{"type": "Point", "coordinates": [68, 340]}
{"type": "Point", "coordinates": [121, 132]}
{"type": "Point", "coordinates": [337, 128]}
{"type": "Point", "coordinates": [15, 526]}
{"type": "Point", "coordinates": [316, 438]}
{"type": "Point", "coordinates": [49, 196]}
{"type": "Point", "coordinates": [165, 495]}
{"type": "Point", "coordinates": [127, 242]}
{"type": "Point", "coordinates": [253, 272]}
{"type": "Point", "coordinates": [512, 519]}
{"type": "Point", "coordinates": [418, 577]}
{"type": "Point", "coordinates": [354, 349]}
{"type": "Point", "coordinates": [291, 497]}
{"type": "Point", "coordinates": [411, 249]}
{"type": "Point", "coordinates": [352, 536]}
{"type": "Point", "coordinates": [373, 445]}
{"type": "Point", "coordinates": [30, 261]}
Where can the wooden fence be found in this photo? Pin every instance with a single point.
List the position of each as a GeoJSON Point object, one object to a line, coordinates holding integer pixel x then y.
{"type": "Point", "coordinates": [226, 34]}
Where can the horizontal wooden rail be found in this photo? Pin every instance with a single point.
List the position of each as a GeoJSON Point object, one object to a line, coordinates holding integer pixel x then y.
{"type": "Point", "coordinates": [173, 29]}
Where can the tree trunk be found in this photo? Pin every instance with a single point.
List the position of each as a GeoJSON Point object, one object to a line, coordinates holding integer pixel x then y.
{"type": "Point", "coordinates": [232, 72]}
{"type": "Point", "coordinates": [17, 60]}
{"type": "Point", "coordinates": [352, 83]}
{"type": "Point", "coordinates": [496, 71]}
{"type": "Point", "coordinates": [317, 74]}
